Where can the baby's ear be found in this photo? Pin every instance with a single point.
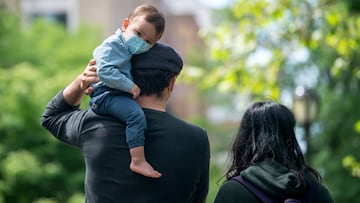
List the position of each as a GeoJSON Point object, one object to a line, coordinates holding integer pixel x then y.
{"type": "Point", "coordinates": [125, 24]}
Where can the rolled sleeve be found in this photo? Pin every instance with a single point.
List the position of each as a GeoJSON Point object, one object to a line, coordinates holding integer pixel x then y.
{"type": "Point", "coordinates": [62, 120]}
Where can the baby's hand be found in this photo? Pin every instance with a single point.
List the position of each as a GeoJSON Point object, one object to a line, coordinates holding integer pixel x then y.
{"type": "Point", "coordinates": [88, 77]}
{"type": "Point", "coordinates": [135, 91]}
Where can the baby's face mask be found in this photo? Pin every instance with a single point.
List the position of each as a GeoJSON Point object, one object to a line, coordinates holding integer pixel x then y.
{"type": "Point", "coordinates": [137, 45]}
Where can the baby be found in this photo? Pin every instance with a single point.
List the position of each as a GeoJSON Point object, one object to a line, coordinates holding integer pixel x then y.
{"type": "Point", "coordinates": [115, 94]}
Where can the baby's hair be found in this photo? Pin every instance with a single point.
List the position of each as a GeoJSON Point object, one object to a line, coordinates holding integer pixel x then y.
{"type": "Point", "coordinates": [152, 15]}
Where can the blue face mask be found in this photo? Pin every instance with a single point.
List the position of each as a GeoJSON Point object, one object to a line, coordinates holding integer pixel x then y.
{"type": "Point", "coordinates": [136, 45]}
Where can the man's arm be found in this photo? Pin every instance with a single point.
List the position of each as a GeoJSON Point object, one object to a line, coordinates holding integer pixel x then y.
{"type": "Point", "coordinates": [74, 92]}
{"type": "Point", "coordinates": [203, 185]}
{"type": "Point", "coordinates": [62, 114]}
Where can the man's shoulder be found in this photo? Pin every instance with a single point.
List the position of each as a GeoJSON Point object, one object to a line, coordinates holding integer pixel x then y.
{"type": "Point", "coordinates": [91, 117]}
{"type": "Point", "coordinates": [170, 122]}
{"type": "Point", "coordinates": [188, 125]}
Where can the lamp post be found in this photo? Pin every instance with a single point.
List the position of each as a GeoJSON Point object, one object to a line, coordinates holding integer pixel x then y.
{"type": "Point", "coordinates": [305, 108]}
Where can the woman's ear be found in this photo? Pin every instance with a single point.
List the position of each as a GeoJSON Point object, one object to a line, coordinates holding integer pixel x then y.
{"type": "Point", "coordinates": [125, 24]}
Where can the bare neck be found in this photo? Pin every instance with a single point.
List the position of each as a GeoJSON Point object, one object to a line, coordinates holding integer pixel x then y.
{"type": "Point", "coordinates": [157, 103]}
{"type": "Point", "coordinates": [152, 102]}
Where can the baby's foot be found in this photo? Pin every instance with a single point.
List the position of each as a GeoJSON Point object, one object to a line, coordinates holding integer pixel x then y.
{"type": "Point", "coordinates": [145, 169]}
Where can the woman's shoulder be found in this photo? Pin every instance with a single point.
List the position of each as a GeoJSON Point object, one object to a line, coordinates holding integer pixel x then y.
{"type": "Point", "coordinates": [233, 191]}
{"type": "Point", "coordinates": [323, 194]}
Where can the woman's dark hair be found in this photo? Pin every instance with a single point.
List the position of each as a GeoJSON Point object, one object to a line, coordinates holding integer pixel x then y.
{"type": "Point", "coordinates": [267, 131]}
{"type": "Point", "coordinates": [152, 81]}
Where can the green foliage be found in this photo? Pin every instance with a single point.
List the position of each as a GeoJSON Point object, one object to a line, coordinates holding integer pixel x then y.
{"type": "Point", "coordinates": [253, 49]}
{"type": "Point", "coordinates": [37, 61]}
{"type": "Point", "coordinates": [10, 39]}
{"type": "Point", "coordinates": [266, 48]}
{"type": "Point", "coordinates": [351, 163]}
{"type": "Point", "coordinates": [216, 171]}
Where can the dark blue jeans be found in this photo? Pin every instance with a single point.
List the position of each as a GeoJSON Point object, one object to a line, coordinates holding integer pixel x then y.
{"type": "Point", "coordinates": [124, 108]}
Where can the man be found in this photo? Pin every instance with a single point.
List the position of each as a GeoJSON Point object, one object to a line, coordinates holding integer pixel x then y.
{"type": "Point", "coordinates": [180, 151]}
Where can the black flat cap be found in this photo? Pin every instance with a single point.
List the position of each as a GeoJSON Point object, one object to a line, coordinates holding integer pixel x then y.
{"type": "Point", "coordinates": [160, 57]}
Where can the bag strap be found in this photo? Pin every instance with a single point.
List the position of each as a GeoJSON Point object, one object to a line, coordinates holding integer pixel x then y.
{"type": "Point", "coordinates": [266, 198]}
{"type": "Point", "coordinates": [251, 187]}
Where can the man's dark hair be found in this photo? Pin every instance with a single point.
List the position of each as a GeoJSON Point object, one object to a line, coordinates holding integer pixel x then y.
{"type": "Point", "coordinates": [152, 81]}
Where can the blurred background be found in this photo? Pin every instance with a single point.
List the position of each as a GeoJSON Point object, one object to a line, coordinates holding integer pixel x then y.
{"type": "Point", "coordinates": [302, 53]}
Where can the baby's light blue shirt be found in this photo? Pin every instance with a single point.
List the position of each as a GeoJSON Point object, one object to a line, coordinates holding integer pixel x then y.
{"type": "Point", "coordinates": [113, 63]}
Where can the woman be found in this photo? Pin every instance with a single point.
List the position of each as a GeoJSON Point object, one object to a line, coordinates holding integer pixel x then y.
{"type": "Point", "coordinates": [266, 153]}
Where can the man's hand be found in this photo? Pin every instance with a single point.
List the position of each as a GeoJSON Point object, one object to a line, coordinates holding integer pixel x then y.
{"type": "Point", "coordinates": [88, 77]}
{"type": "Point", "coordinates": [135, 91]}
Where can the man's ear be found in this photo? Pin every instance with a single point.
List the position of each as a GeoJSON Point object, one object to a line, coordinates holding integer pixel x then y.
{"type": "Point", "coordinates": [125, 24]}
{"type": "Point", "coordinates": [172, 83]}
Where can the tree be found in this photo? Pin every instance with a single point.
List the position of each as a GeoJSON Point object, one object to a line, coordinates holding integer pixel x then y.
{"type": "Point", "coordinates": [264, 49]}
{"type": "Point", "coordinates": [34, 166]}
